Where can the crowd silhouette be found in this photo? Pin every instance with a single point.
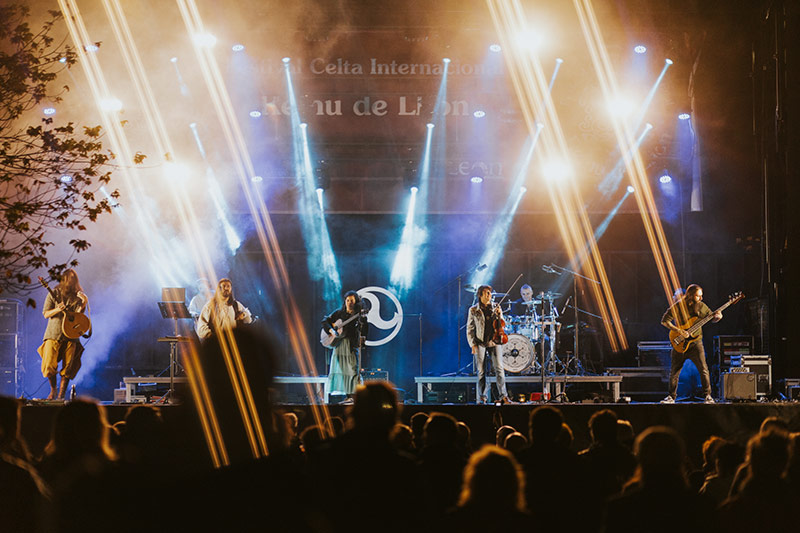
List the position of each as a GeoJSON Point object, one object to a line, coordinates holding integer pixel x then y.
{"type": "Point", "coordinates": [381, 470]}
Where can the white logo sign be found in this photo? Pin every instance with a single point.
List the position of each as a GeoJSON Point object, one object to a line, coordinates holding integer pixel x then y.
{"type": "Point", "coordinates": [374, 314]}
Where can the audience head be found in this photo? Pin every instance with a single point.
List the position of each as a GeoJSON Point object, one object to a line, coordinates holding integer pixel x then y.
{"type": "Point", "coordinates": [493, 479]}
{"type": "Point", "coordinates": [80, 427]}
{"type": "Point", "coordinates": [545, 424]}
{"type": "Point", "coordinates": [603, 427]}
{"type": "Point", "coordinates": [402, 438]}
{"type": "Point", "coordinates": [417, 424]}
{"type": "Point", "coordinates": [441, 429]}
{"type": "Point", "coordinates": [767, 455]}
{"type": "Point", "coordinates": [311, 438]}
{"type": "Point", "coordinates": [774, 423]}
{"type": "Point", "coordinates": [625, 433]}
{"type": "Point", "coordinates": [464, 437]}
{"type": "Point", "coordinates": [565, 436]}
{"type": "Point", "coordinates": [291, 422]}
{"type": "Point", "coordinates": [337, 422]}
{"type": "Point", "coordinates": [515, 442]}
{"type": "Point", "coordinates": [710, 447]}
{"type": "Point", "coordinates": [9, 420]}
{"type": "Point", "coordinates": [501, 434]}
{"type": "Point", "coordinates": [375, 408]}
{"type": "Point", "coordinates": [660, 452]}
{"type": "Point", "coordinates": [728, 458]}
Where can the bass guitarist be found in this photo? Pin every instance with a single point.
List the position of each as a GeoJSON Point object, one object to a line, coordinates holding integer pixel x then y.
{"type": "Point", "coordinates": [678, 318]}
{"type": "Point", "coordinates": [67, 297]}
{"type": "Point", "coordinates": [345, 361]}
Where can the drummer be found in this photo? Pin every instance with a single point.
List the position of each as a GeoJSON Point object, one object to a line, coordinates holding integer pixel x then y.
{"type": "Point", "coordinates": [525, 305]}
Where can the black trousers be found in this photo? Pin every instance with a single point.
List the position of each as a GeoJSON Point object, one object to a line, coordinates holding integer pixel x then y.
{"type": "Point", "coordinates": [697, 355]}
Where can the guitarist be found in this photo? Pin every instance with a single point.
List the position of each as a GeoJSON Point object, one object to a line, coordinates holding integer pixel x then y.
{"type": "Point", "coordinates": [343, 374]}
{"type": "Point", "coordinates": [55, 346]}
{"type": "Point", "coordinates": [678, 318]}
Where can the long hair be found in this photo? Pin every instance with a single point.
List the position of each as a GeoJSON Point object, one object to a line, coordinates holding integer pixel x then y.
{"type": "Point", "coordinates": [356, 296]}
{"type": "Point", "coordinates": [69, 286]}
{"type": "Point", "coordinates": [478, 293]}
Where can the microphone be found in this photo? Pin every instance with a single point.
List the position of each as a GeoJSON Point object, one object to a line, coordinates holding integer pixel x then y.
{"type": "Point", "coordinates": [566, 304]}
{"type": "Point", "coordinates": [482, 266]}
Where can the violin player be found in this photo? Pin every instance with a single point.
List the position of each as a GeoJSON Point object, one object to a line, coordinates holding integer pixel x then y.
{"type": "Point", "coordinates": [484, 334]}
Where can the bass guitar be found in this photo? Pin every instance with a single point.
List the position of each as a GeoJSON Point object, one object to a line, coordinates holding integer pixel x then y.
{"type": "Point", "coordinates": [332, 341]}
{"type": "Point", "coordinates": [74, 324]}
{"type": "Point", "coordinates": [692, 326]}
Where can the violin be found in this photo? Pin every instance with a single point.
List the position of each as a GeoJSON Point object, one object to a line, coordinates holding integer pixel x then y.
{"type": "Point", "coordinates": [500, 336]}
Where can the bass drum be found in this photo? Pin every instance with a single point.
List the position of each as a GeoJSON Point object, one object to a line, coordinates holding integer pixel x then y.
{"type": "Point", "coordinates": [517, 353]}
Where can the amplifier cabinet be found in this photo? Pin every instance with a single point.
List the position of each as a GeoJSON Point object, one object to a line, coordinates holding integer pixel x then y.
{"type": "Point", "coordinates": [737, 386]}
{"type": "Point", "coordinates": [761, 366]}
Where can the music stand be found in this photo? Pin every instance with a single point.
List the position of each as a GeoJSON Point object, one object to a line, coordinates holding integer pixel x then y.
{"type": "Point", "coordinates": [173, 310]}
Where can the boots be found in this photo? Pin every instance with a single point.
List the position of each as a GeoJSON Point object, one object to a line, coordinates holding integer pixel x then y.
{"type": "Point", "coordinates": [62, 390]}
{"type": "Point", "coordinates": [53, 383]}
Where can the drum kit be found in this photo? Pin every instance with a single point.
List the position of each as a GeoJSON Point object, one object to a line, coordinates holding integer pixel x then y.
{"type": "Point", "coordinates": [531, 326]}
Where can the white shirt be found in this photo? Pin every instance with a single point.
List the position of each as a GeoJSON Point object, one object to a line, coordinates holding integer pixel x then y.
{"type": "Point", "coordinates": [224, 317]}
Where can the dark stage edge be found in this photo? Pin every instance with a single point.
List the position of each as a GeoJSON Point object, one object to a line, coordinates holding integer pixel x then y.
{"type": "Point", "coordinates": [694, 421]}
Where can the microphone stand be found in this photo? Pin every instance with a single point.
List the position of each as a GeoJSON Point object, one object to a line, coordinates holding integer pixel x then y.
{"type": "Point", "coordinates": [575, 276]}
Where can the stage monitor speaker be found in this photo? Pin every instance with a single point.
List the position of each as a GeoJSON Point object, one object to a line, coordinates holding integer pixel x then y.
{"type": "Point", "coordinates": [738, 386]}
{"type": "Point", "coordinates": [10, 314]}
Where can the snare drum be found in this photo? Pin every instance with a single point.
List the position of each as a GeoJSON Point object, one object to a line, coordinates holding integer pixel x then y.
{"type": "Point", "coordinates": [517, 353]}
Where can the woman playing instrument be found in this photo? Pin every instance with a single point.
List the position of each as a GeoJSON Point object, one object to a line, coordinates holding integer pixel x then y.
{"type": "Point", "coordinates": [64, 302]}
{"type": "Point", "coordinates": [345, 360]}
{"type": "Point", "coordinates": [484, 333]}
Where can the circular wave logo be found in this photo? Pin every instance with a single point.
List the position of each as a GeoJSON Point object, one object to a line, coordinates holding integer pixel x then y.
{"type": "Point", "coordinates": [375, 296]}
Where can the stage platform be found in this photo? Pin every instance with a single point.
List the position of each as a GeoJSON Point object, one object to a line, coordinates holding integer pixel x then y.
{"type": "Point", "coordinates": [553, 384]}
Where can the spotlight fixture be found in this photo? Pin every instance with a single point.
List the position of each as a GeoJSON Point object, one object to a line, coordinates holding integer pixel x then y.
{"type": "Point", "coordinates": [478, 173]}
{"type": "Point", "coordinates": [665, 178]}
{"type": "Point", "coordinates": [410, 177]}
{"type": "Point", "coordinates": [494, 47]}
{"type": "Point", "coordinates": [559, 60]}
{"type": "Point", "coordinates": [65, 178]}
{"type": "Point", "coordinates": [683, 116]}
{"type": "Point", "coordinates": [62, 60]}
{"type": "Point", "coordinates": [286, 60]}
{"type": "Point", "coordinates": [256, 179]}
{"type": "Point", "coordinates": [303, 125]}
{"type": "Point", "coordinates": [414, 189]}
{"type": "Point", "coordinates": [479, 113]}
{"type": "Point", "coordinates": [49, 111]}
{"type": "Point", "coordinates": [446, 60]}
{"type": "Point", "coordinates": [430, 125]}
{"type": "Point", "coordinates": [173, 59]}
{"type": "Point", "coordinates": [91, 48]}
{"type": "Point", "coordinates": [255, 113]}
{"type": "Point", "coordinates": [476, 179]}
{"type": "Point", "coordinates": [631, 189]}
{"type": "Point", "coordinates": [668, 61]}
{"type": "Point", "coordinates": [237, 47]}
{"type": "Point", "coordinates": [640, 49]}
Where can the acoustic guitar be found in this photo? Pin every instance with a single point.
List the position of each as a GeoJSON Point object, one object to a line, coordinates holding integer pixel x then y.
{"type": "Point", "coordinates": [74, 323]}
{"type": "Point", "coordinates": [332, 341]}
{"type": "Point", "coordinates": [692, 326]}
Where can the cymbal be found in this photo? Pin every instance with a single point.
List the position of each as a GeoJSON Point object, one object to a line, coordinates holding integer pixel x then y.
{"type": "Point", "coordinates": [535, 301]}
{"type": "Point", "coordinates": [550, 295]}
{"type": "Point", "coordinates": [499, 294]}
{"type": "Point", "coordinates": [470, 287]}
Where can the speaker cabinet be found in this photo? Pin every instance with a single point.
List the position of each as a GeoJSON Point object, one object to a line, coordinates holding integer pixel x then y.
{"type": "Point", "coordinates": [738, 386]}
